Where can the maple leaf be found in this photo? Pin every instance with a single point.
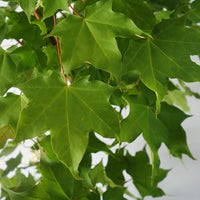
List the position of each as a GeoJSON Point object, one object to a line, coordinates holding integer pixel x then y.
{"type": "Point", "coordinates": [139, 168]}
{"type": "Point", "coordinates": [83, 107]}
{"type": "Point", "coordinates": [10, 107]}
{"type": "Point", "coordinates": [138, 11]}
{"type": "Point", "coordinates": [20, 28]}
{"type": "Point", "coordinates": [166, 55]}
{"type": "Point", "coordinates": [28, 6]}
{"type": "Point", "coordinates": [82, 39]}
{"type": "Point", "coordinates": [15, 67]}
{"type": "Point", "coordinates": [194, 13]}
{"type": "Point", "coordinates": [8, 72]}
{"type": "Point", "coordinates": [3, 26]}
{"type": "Point", "coordinates": [6, 132]}
{"type": "Point", "coordinates": [51, 6]}
{"type": "Point", "coordinates": [164, 128]}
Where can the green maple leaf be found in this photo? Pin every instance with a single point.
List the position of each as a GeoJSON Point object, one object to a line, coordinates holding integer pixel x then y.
{"type": "Point", "coordinates": [166, 128]}
{"type": "Point", "coordinates": [36, 193]}
{"type": "Point", "coordinates": [58, 182]}
{"type": "Point", "coordinates": [8, 72]}
{"type": "Point", "coordinates": [166, 55]}
{"type": "Point", "coordinates": [51, 6]}
{"type": "Point", "coordinates": [13, 68]}
{"type": "Point", "coordinates": [114, 194]}
{"type": "Point", "coordinates": [140, 171]}
{"type": "Point", "coordinates": [70, 112]}
{"type": "Point", "coordinates": [3, 26]}
{"type": "Point", "coordinates": [20, 28]}
{"type": "Point", "coordinates": [138, 11]}
{"type": "Point", "coordinates": [12, 164]}
{"type": "Point", "coordinates": [82, 39]}
{"type": "Point", "coordinates": [177, 97]}
{"type": "Point", "coordinates": [193, 13]}
{"type": "Point", "coordinates": [6, 132]}
{"type": "Point", "coordinates": [172, 118]}
{"type": "Point", "coordinates": [28, 6]}
{"type": "Point", "coordinates": [10, 107]}
{"type": "Point", "coordinates": [4, 29]}
{"type": "Point", "coordinates": [2, 16]}
{"type": "Point", "coordinates": [139, 168]}
{"type": "Point", "coordinates": [142, 119]}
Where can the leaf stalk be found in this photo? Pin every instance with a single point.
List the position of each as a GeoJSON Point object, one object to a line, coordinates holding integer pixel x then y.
{"type": "Point", "coordinates": [59, 53]}
{"type": "Point", "coordinates": [73, 10]}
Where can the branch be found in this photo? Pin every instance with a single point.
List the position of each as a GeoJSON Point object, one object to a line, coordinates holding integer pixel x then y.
{"type": "Point", "coordinates": [59, 53]}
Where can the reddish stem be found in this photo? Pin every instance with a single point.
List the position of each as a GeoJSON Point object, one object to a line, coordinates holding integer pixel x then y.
{"type": "Point", "coordinates": [20, 42]}
{"type": "Point", "coordinates": [137, 88]}
{"type": "Point", "coordinates": [59, 53]}
{"type": "Point", "coordinates": [73, 10]}
{"type": "Point", "coordinates": [36, 14]}
{"type": "Point", "coordinates": [30, 74]}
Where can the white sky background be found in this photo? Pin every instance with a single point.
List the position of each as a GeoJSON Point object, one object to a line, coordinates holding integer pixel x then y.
{"type": "Point", "coordinates": [183, 181]}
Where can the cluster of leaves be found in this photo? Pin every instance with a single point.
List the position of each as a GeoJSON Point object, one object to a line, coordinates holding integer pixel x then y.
{"type": "Point", "coordinates": [102, 54]}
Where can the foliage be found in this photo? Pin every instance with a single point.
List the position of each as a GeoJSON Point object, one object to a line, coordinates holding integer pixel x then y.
{"type": "Point", "coordinates": [74, 63]}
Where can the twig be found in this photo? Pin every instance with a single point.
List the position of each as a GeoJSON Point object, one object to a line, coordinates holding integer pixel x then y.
{"type": "Point", "coordinates": [35, 12]}
{"type": "Point", "coordinates": [73, 10]}
{"type": "Point", "coordinates": [30, 74]}
{"type": "Point", "coordinates": [59, 53]}
{"type": "Point", "coordinates": [19, 42]}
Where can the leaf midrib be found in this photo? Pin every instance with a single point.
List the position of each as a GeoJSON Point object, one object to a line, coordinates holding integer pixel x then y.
{"type": "Point", "coordinates": [60, 186]}
{"type": "Point", "coordinates": [172, 60]}
{"type": "Point", "coordinates": [46, 107]}
{"type": "Point", "coordinates": [98, 44]}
